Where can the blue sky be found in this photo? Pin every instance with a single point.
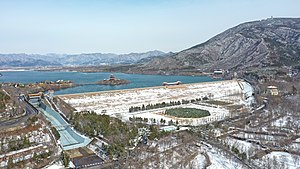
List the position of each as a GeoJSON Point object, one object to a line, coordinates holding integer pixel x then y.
{"type": "Point", "coordinates": [123, 26]}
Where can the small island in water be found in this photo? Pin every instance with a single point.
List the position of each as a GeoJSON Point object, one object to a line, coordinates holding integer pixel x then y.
{"type": "Point", "coordinates": [113, 81]}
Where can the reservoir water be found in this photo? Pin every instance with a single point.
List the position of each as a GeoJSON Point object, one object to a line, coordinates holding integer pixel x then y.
{"type": "Point", "coordinates": [88, 80]}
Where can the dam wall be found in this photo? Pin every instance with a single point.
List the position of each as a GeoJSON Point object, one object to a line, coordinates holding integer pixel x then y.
{"type": "Point", "coordinates": [119, 101]}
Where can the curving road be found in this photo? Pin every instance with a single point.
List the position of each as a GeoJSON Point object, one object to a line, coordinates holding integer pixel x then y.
{"type": "Point", "coordinates": [29, 111]}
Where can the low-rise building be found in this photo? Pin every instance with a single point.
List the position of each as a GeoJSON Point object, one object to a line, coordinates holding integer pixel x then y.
{"type": "Point", "coordinates": [272, 90]}
{"type": "Point", "coordinates": [218, 72]}
{"type": "Point", "coordinates": [168, 128]}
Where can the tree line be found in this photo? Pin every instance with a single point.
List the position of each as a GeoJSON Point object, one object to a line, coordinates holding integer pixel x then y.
{"type": "Point", "coordinates": [164, 104]}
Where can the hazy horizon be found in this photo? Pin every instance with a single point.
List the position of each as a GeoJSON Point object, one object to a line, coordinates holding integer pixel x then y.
{"type": "Point", "coordinates": [121, 27]}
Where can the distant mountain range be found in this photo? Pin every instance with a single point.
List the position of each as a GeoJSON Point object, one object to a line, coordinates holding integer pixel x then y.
{"type": "Point", "coordinates": [89, 59]}
{"type": "Point", "coordinates": [258, 44]}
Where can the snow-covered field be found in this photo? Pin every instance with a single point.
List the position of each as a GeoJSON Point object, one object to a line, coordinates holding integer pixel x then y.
{"type": "Point", "coordinates": [219, 161]}
{"type": "Point", "coordinates": [172, 152]}
{"type": "Point", "coordinates": [216, 114]}
{"type": "Point", "coordinates": [242, 146]}
{"type": "Point", "coordinates": [117, 103]}
{"type": "Point", "coordinates": [283, 122]}
{"type": "Point", "coordinates": [280, 160]}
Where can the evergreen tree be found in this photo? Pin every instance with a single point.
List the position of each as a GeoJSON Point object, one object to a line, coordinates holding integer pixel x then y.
{"type": "Point", "coordinates": [65, 159]}
{"type": "Point", "coordinates": [10, 163]}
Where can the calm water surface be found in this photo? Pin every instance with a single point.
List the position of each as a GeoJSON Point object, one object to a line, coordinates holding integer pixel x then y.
{"type": "Point", "coordinates": [87, 79]}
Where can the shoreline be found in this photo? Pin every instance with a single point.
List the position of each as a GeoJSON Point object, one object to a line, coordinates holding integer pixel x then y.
{"type": "Point", "coordinates": [100, 71]}
{"type": "Point", "coordinates": [110, 69]}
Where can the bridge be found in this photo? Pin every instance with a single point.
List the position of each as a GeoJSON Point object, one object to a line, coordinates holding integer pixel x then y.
{"type": "Point", "coordinates": [35, 95]}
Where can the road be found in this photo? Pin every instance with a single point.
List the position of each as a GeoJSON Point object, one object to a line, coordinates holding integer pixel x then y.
{"type": "Point", "coordinates": [29, 111]}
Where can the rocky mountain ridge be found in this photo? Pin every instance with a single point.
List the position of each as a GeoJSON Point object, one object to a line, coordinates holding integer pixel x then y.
{"type": "Point", "coordinates": [264, 43]}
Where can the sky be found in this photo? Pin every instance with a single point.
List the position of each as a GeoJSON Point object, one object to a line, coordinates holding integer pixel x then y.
{"type": "Point", "coordinates": [124, 26]}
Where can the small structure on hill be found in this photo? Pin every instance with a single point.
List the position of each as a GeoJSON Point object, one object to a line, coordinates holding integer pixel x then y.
{"type": "Point", "coordinates": [113, 81]}
{"type": "Point", "coordinates": [218, 72]}
{"type": "Point", "coordinates": [112, 77]}
{"type": "Point", "coordinates": [272, 90]}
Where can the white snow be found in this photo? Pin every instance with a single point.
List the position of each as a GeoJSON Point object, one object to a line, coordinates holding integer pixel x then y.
{"type": "Point", "coordinates": [242, 146]}
{"type": "Point", "coordinates": [117, 103]}
{"type": "Point", "coordinates": [282, 122]}
{"type": "Point", "coordinates": [199, 161]}
{"type": "Point", "coordinates": [248, 91]}
{"type": "Point", "coordinates": [58, 165]}
{"type": "Point", "coordinates": [216, 114]}
{"type": "Point", "coordinates": [283, 160]}
{"type": "Point", "coordinates": [13, 70]}
{"type": "Point", "coordinates": [218, 161]}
